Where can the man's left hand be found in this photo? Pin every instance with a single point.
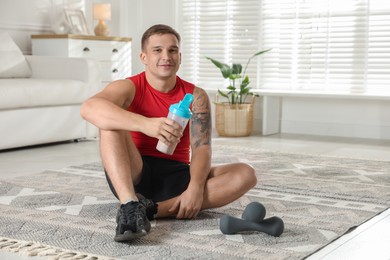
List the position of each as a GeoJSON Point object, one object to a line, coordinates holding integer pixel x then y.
{"type": "Point", "coordinates": [189, 203]}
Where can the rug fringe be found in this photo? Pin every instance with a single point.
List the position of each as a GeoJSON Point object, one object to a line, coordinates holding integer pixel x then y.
{"type": "Point", "coordinates": [30, 248]}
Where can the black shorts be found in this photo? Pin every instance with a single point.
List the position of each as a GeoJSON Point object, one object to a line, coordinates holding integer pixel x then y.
{"type": "Point", "coordinates": [161, 179]}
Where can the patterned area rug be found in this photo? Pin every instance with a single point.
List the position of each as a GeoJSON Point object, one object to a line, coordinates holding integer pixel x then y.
{"type": "Point", "coordinates": [70, 212]}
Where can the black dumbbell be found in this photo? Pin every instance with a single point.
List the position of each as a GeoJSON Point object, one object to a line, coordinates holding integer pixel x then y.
{"type": "Point", "coordinates": [254, 211]}
{"type": "Point", "coordinates": [253, 220]}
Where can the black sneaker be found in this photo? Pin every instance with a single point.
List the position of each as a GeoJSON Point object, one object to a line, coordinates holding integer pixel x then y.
{"type": "Point", "coordinates": [132, 222]}
{"type": "Point", "coordinates": [150, 206]}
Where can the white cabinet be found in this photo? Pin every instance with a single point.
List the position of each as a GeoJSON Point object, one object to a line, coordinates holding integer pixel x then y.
{"type": "Point", "coordinates": [113, 53]}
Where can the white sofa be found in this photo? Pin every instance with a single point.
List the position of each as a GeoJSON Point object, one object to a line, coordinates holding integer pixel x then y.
{"type": "Point", "coordinates": [45, 107]}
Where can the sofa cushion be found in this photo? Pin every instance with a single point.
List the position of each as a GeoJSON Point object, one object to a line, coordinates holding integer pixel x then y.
{"type": "Point", "coordinates": [21, 93]}
{"type": "Point", "coordinates": [13, 63]}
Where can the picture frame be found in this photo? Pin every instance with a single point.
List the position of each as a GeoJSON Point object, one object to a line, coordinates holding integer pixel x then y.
{"type": "Point", "coordinates": [76, 20]}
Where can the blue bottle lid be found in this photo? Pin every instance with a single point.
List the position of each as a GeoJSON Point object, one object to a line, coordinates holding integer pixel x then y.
{"type": "Point", "coordinates": [182, 108]}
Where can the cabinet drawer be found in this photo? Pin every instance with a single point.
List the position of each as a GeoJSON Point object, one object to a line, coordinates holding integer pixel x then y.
{"type": "Point", "coordinates": [114, 70]}
{"type": "Point", "coordinates": [113, 53]}
{"type": "Point", "coordinates": [100, 50]}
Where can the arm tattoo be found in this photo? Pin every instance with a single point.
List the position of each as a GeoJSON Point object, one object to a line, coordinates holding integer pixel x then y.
{"type": "Point", "coordinates": [201, 119]}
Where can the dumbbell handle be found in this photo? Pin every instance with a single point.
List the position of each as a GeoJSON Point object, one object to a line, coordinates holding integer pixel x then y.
{"type": "Point", "coordinates": [273, 226]}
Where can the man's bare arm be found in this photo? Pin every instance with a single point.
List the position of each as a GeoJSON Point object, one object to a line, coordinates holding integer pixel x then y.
{"type": "Point", "coordinates": [201, 120]}
{"type": "Point", "coordinates": [200, 137]}
{"type": "Point", "coordinates": [107, 109]}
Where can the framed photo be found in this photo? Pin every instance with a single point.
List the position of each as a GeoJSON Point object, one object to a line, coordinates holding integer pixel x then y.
{"type": "Point", "coordinates": [77, 22]}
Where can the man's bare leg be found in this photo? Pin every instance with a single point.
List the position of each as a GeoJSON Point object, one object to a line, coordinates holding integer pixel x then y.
{"type": "Point", "coordinates": [122, 162]}
{"type": "Point", "coordinates": [123, 165]}
{"type": "Point", "coordinates": [225, 184]}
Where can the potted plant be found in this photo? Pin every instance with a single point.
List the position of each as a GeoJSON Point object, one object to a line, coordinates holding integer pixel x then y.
{"type": "Point", "coordinates": [235, 117]}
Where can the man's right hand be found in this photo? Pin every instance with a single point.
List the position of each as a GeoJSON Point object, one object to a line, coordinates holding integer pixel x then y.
{"type": "Point", "coordinates": [164, 129]}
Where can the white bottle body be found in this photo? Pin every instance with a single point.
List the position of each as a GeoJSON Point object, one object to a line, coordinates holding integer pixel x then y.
{"type": "Point", "coordinates": [171, 148]}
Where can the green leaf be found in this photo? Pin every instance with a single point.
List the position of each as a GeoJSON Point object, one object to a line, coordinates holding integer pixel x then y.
{"type": "Point", "coordinates": [222, 94]}
{"type": "Point", "coordinates": [224, 68]}
{"type": "Point", "coordinates": [234, 98]}
{"type": "Point", "coordinates": [254, 55]}
{"type": "Point", "coordinates": [260, 52]}
{"type": "Point", "coordinates": [244, 86]}
{"type": "Point", "coordinates": [246, 79]}
{"type": "Point", "coordinates": [234, 76]}
{"type": "Point", "coordinates": [245, 91]}
{"type": "Point", "coordinates": [236, 68]}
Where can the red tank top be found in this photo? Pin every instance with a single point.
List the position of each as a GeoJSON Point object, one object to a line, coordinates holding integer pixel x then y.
{"type": "Point", "coordinates": [150, 102]}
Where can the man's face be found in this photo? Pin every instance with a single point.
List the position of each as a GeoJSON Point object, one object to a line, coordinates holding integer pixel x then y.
{"type": "Point", "coordinates": [161, 55]}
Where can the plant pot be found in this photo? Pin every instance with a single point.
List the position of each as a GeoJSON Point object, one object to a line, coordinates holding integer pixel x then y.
{"type": "Point", "coordinates": [234, 120]}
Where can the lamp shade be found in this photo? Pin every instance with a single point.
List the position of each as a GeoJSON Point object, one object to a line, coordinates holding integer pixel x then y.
{"type": "Point", "coordinates": [102, 11]}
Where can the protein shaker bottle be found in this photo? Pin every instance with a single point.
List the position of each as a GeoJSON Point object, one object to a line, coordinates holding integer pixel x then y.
{"type": "Point", "coordinates": [181, 113]}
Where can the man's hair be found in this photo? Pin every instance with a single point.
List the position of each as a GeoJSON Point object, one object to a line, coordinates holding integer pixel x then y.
{"type": "Point", "coordinates": [158, 29]}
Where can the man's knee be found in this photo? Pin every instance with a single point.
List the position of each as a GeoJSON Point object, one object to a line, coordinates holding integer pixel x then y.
{"type": "Point", "coordinates": [113, 134]}
{"type": "Point", "coordinates": [248, 175]}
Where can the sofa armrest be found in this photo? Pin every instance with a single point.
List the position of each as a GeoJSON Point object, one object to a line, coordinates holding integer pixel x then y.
{"type": "Point", "coordinates": [50, 67]}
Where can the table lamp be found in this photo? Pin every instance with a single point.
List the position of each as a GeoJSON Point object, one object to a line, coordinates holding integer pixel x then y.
{"type": "Point", "coordinates": [101, 12]}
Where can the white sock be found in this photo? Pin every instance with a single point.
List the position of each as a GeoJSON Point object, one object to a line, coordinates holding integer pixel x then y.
{"type": "Point", "coordinates": [128, 200]}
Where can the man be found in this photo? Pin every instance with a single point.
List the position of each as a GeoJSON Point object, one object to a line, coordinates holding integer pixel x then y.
{"type": "Point", "coordinates": [148, 183]}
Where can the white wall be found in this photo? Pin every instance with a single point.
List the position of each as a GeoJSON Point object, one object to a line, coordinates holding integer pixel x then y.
{"type": "Point", "coordinates": [22, 18]}
{"type": "Point", "coordinates": [347, 117]}
{"type": "Point", "coordinates": [22, 22]}
{"type": "Point", "coordinates": [139, 15]}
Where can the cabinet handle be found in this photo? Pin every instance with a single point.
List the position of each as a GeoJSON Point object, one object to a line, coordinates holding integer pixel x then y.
{"type": "Point", "coordinates": [114, 71]}
{"type": "Point", "coordinates": [86, 49]}
{"type": "Point", "coordinates": [114, 50]}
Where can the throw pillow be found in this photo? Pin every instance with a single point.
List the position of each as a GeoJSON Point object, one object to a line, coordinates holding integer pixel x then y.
{"type": "Point", "coordinates": [13, 64]}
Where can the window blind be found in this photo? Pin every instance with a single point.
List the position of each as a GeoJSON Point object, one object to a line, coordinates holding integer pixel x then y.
{"type": "Point", "coordinates": [321, 45]}
{"type": "Point", "coordinates": [224, 30]}
{"type": "Point", "coordinates": [378, 52]}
